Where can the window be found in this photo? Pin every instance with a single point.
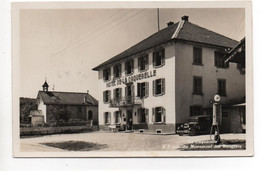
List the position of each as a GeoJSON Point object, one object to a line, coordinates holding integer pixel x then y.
{"type": "Point", "coordinates": [117, 93]}
{"type": "Point", "coordinates": [197, 85]}
{"type": "Point", "coordinates": [79, 109]}
{"type": "Point", "coordinates": [143, 115]}
{"type": "Point", "coordinates": [197, 56]}
{"type": "Point", "coordinates": [90, 115]}
{"type": "Point", "coordinates": [158, 58]}
{"type": "Point", "coordinates": [143, 63]}
{"type": "Point", "coordinates": [195, 110]}
{"type": "Point", "coordinates": [129, 67]}
{"type": "Point", "coordinates": [106, 96]}
{"type": "Point", "coordinates": [129, 90]}
{"type": "Point", "coordinates": [106, 74]}
{"type": "Point", "coordinates": [224, 114]}
{"type": "Point", "coordinates": [159, 87]}
{"type": "Point", "coordinates": [107, 117]}
{"type": "Point", "coordinates": [117, 71]}
{"type": "Point", "coordinates": [117, 117]}
{"type": "Point", "coordinates": [222, 87]}
{"type": "Point", "coordinates": [159, 115]}
{"type": "Point", "coordinates": [143, 89]}
{"type": "Point", "coordinates": [220, 61]}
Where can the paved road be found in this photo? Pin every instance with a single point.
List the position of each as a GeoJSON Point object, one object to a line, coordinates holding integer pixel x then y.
{"type": "Point", "coordinates": [119, 141]}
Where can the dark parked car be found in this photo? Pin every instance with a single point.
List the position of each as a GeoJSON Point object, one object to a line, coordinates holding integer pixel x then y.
{"type": "Point", "coordinates": [197, 125]}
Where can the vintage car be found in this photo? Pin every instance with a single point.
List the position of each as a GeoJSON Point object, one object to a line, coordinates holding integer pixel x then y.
{"type": "Point", "coordinates": [200, 124]}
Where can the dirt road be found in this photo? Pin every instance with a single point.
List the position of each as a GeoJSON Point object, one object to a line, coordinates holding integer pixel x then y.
{"type": "Point", "coordinates": [118, 141]}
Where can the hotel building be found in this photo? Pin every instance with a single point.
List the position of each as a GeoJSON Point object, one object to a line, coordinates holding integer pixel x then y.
{"type": "Point", "coordinates": [163, 80]}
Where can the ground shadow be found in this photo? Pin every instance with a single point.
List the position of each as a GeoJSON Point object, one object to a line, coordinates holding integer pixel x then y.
{"type": "Point", "coordinates": [76, 145]}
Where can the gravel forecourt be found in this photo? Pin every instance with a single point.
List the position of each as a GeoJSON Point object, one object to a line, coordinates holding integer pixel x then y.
{"type": "Point", "coordinates": [119, 141]}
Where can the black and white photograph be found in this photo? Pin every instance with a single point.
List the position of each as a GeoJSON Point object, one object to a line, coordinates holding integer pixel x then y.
{"type": "Point", "coordinates": [132, 80]}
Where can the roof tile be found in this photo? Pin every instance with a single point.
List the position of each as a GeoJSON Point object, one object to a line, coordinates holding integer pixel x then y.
{"type": "Point", "coordinates": [188, 32]}
{"type": "Point", "coordinates": [67, 98]}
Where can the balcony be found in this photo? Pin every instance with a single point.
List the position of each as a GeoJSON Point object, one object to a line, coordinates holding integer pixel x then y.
{"type": "Point", "coordinates": [125, 102]}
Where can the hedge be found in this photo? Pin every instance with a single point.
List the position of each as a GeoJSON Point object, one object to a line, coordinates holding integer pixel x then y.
{"type": "Point", "coordinates": [31, 131]}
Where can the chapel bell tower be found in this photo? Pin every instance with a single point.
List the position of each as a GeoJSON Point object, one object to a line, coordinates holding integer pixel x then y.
{"type": "Point", "coordinates": [45, 86]}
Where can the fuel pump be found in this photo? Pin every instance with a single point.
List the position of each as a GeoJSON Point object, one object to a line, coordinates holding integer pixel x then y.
{"type": "Point", "coordinates": [215, 128]}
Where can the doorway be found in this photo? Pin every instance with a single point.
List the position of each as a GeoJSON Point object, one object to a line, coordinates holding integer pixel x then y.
{"type": "Point", "coordinates": [129, 119]}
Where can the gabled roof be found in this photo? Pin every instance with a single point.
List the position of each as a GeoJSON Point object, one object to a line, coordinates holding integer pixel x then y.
{"type": "Point", "coordinates": [237, 54]}
{"type": "Point", "coordinates": [182, 30]}
{"type": "Point", "coordinates": [45, 84]}
{"type": "Point", "coordinates": [67, 98]}
{"type": "Point", "coordinates": [35, 113]}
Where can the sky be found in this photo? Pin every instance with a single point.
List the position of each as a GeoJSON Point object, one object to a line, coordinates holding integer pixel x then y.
{"type": "Point", "coordinates": [63, 45]}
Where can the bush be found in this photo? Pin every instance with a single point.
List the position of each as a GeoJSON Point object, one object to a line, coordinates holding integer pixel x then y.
{"type": "Point", "coordinates": [26, 125]}
{"type": "Point", "coordinates": [70, 122]}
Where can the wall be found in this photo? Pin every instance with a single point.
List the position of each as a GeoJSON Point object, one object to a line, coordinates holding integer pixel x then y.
{"type": "Point", "coordinates": [61, 111]}
{"type": "Point", "coordinates": [232, 120]}
{"type": "Point", "coordinates": [95, 113]}
{"type": "Point", "coordinates": [167, 100]}
{"type": "Point", "coordinates": [75, 114]}
{"type": "Point", "coordinates": [42, 107]}
{"type": "Point", "coordinates": [37, 120]}
{"type": "Point", "coordinates": [235, 82]}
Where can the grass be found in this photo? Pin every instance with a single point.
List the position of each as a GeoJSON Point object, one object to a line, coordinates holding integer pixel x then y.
{"type": "Point", "coordinates": [76, 145]}
{"type": "Point", "coordinates": [210, 145]}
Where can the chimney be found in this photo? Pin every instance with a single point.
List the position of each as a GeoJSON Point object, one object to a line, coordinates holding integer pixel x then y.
{"type": "Point", "coordinates": [170, 23]}
{"type": "Point", "coordinates": [185, 18]}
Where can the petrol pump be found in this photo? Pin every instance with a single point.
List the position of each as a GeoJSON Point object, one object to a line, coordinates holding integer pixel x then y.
{"type": "Point", "coordinates": [215, 126]}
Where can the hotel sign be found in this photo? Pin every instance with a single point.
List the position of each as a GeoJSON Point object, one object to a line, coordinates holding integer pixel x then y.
{"type": "Point", "coordinates": [131, 78]}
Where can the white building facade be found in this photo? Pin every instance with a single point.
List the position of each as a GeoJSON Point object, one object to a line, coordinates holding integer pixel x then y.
{"type": "Point", "coordinates": [168, 77]}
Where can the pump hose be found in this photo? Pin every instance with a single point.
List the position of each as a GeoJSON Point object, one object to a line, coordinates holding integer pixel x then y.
{"type": "Point", "coordinates": [212, 132]}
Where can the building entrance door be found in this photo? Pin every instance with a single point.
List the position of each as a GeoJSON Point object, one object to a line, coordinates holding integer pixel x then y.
{"type": "Point", "coordinates": [129, 120]}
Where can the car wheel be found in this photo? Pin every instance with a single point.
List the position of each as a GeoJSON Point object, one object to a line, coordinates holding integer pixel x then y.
{"type": "Point", "coordinates": [180, 134]}
{"type": "Point", "coordinates": [192, 132]}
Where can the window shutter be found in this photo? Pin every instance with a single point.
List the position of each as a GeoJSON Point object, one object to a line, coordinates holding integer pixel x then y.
{"type": "Point", "coordinates": [132, 65]}
{"type": "Point", "coordinates": [114, 93]}
{"type": "Point", "coordinates": [154, 87]}
{"type": "Point", "coordinates": [104, 96]}
{"type": "Point", "coordinates": [126, 67]}
{"type": "Point", "coordinates": [120, 116]}
{"type": "Point", "coordinates": [104, 117]}
{"type": "Point", "coordinates": [132, 90]}
{"type": "Point", "coordinates": [146, 62]}
{"type": "Point", "coordinates": [163, 56]}
{"type": "Point", "coordinates": [120, 93]}
{"type": "Point", "coordinates": [114, 71]}
{"type": "Point", "coordinates": [139, 63]}
{"type": "Point", "coordinates": [139, 115]}
{"type": "Point", "coordinates": [163, 86]}
{"type": "Point", "coordinates": [154, 55]}
{"type": "Point", "coordinates": [120, 70]}
{"type": "Point", "coordinates": [109, 117]}
{"type": "Point", "coordinates": [138, 89]}
{"type": "Point", "coordinates": [126, 91]}
{"type": "Point", "coordinates": [146, 89]}
{"type": "Point", "coordinates": [153, 117]}
{"type": "Point", "coordinates": [114, 115]}
{"type": "Point", "coordinates": [108, 73]}
{"type": "Point", "coordinates": [147, 115]}
{"type": "Point", "coordinates": [164, 115]}
{"type": "Point", "coordinates": [109, 95]}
